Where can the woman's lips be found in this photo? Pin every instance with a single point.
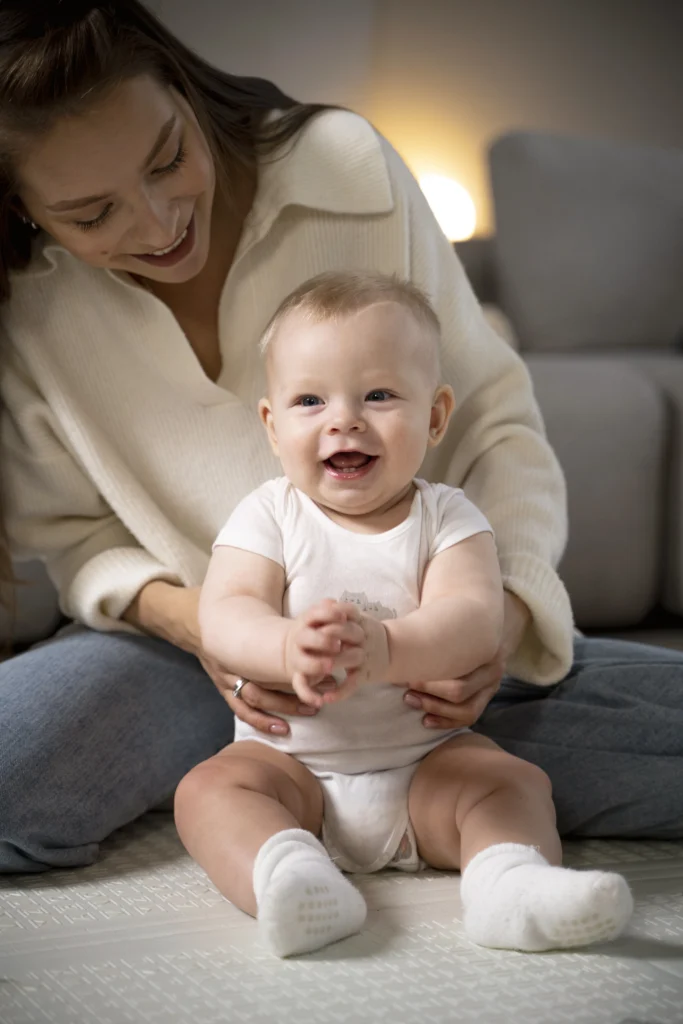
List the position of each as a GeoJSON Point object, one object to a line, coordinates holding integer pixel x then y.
{"type": "Point", "coordinates": [178, 253]}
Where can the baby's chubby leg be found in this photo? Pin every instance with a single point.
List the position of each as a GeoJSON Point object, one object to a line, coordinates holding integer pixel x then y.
{"type": "Point", "coordinates": [477, 808]}
{"type": "Point", "coordinates": [249, 817]}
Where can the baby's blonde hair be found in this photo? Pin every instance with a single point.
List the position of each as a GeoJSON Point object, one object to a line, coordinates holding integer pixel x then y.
{"type": "Point", "coordinates": [339, 293]}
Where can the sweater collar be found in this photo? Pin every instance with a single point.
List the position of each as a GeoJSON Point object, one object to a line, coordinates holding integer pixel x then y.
{"type": "Point", "coordinates": [335, 165]}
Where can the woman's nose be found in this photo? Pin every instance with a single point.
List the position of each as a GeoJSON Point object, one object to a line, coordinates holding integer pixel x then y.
{"type": "Point", "coordinates": [157, 224]}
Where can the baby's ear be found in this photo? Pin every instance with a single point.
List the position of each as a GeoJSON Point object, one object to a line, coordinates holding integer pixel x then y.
{"type": "Point", "coordinates": [443, 405]}
{"type": "Point", "coordinates": [266, 414]}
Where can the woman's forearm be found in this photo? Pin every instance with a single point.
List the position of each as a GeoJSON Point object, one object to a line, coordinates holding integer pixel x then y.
{"type": "Point", "coordinates": [168, 611]}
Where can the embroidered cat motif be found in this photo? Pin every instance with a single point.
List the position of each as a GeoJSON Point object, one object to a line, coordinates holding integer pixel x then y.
{"type": "Point", "coordinates": [374, 608]}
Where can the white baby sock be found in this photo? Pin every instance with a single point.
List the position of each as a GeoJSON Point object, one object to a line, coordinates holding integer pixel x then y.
{"type": "Point", "coordinates": [514, 899]}
{"type": "Point", "coordinates": [304, 902]}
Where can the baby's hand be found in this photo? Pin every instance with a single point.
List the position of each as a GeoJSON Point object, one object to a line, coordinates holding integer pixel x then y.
{"type": "Point", "coordinates": [325, 640]}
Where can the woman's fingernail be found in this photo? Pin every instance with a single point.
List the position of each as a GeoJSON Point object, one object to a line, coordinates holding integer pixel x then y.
{"type": "Point", "coordinates": [412, 700]}
{"type": "Point", "coordinates": [306, 709]}
{"type": "Point", "coordinates": [280, 729]}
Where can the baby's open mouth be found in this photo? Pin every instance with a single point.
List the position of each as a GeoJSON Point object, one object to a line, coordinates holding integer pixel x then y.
{"type": "Point", "coordinates": [349, 462]}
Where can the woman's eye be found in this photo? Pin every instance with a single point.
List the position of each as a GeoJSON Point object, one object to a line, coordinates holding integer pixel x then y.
{"type": "Point", "coordinates": [175, 163]}
{"type": "Point", "coordinates": [88, 225]}
{"type": "Point", "coordinates": [379, 395]}
{"type": "Point", "coordinates": [308, 401]}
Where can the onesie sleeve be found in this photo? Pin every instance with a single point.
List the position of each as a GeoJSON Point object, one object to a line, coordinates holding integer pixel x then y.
{"type": "Point", "coordinates": [255, 524]}
{"type": "Point", "coordinates": [456, 519]}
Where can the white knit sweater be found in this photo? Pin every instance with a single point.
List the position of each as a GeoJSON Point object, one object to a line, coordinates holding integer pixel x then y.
{"type": "Point", "coordinates": [122, 459]}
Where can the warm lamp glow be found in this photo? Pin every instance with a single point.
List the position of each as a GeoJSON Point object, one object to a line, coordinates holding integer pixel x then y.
{"type": "Point", "coordinates": [451, 205]}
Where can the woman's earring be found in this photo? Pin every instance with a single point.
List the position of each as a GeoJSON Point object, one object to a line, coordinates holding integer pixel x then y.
{"type": "Point", "coordinates": [30, 222]}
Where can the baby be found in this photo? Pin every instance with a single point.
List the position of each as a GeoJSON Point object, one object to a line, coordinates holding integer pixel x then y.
{"type": "Point", "coordinates": [350, 579]}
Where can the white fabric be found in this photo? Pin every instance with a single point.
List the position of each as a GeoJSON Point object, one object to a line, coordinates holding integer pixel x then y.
{"type": "Point", "coordinates": [514, 899]}
{"type": "Point", "coordinates": [364, 749]}
{"type": "Point", "coordinates": [303, 900]}
{"type": "Point", "coordinates": [366, 825]}
{"type": "Point", "coordinates": [382, 573]}
{"type": "Point", "coordinates": [122, 458]}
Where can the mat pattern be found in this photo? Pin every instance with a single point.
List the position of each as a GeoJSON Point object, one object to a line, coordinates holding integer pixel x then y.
{"type": "Point", "coordinates": [143, 937]}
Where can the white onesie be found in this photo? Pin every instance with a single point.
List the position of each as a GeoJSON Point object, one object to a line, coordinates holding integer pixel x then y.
{"type": "Point", "coordinates": [365, 749]}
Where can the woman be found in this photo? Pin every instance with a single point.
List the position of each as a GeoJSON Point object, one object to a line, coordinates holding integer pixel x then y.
{"type": "Point", "coordinates": [153, 214]}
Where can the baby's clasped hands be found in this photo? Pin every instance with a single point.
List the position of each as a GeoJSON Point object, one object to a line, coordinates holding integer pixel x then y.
{"type": "Point", "coordinates": [326, 640]}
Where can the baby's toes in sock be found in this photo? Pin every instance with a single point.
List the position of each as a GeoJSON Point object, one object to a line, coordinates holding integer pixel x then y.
{"type": "Point", "coordinates": [307, 906]}
{"type": "Point", "coordinates": [596, 909]}
{"type": "Point", "coordinates": [514, 899]}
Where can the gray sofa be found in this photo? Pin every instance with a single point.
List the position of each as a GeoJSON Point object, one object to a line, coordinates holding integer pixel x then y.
{"type": "Point", "coordinates": [586, 266]}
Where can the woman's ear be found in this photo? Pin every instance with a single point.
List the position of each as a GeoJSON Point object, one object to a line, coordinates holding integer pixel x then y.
{"type": "Point", "coordinates": [266, 414]}
{"type": "Point", "coordinates": [443, 405]}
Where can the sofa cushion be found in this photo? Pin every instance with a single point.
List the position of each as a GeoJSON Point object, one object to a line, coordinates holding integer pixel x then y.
{"type": "Point", "coordinates": [608, 425]}
{"type": "Point", "coordinates": [666, 372]}
{"type": "Point", "coordinates": [588, 241]}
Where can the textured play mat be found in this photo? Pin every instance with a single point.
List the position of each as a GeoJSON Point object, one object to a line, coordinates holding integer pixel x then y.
{"type": "Point", "coordinates": [142, 936]}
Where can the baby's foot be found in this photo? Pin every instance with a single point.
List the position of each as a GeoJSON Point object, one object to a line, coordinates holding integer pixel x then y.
{"type": "Point", "coordinates": [514, 899]}
{"type": "Point", "coordinates": [304, 902]}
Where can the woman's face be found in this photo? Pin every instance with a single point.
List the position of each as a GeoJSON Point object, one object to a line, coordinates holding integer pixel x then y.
{"type": "Point", "coordinates": [124, 182]}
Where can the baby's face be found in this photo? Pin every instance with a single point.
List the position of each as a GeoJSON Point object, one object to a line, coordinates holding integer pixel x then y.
{"type": "Point", "coordinates": [353, 405]}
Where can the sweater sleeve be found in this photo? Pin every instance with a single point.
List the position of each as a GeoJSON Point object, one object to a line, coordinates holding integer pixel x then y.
{"type": "Point", "coordinates": [496, 448]}
{"type": "Point", "coordinates": [54, 513]}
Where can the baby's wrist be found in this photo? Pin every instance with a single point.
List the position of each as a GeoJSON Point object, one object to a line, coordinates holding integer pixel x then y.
{"type": "Point", "coordinates": [287, 666]}
{"type": "Point", "coordinates": [377, 650]}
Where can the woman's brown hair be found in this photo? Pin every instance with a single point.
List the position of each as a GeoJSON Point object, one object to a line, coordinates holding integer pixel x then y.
{"type": "Point", "coordinates": [56, 56]}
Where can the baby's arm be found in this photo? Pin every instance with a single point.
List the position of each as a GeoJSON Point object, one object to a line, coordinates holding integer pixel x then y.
{"type": "Point", "coordinates": [243, 628]}
{"type": "Point", "coordinates": [457, 627]}
{"type": "Point", "coordinates": [240, 614]}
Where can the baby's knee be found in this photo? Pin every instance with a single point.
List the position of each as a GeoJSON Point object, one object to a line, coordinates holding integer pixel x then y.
{"type": "Point", "coordinates": [526, 776]}
{"type": "Point", "coordinates": [221, 773]}
{"type": "Point", "coordinates": [506, 774]}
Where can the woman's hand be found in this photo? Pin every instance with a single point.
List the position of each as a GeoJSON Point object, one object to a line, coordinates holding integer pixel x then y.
{"type": "Point", "coordinates": [257, 705]}
{"type": "Point", "coordinates": [451, 703]}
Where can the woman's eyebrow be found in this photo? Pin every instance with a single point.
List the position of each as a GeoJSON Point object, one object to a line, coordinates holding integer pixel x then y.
{"type": "Point", "coordinates": [162, 139]}
{"type": "Point", "coordinates": [75, 204]}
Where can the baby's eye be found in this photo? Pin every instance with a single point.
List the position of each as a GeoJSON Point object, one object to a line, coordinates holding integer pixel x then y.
{"type": "Point", "coordinates": [308, 401]}
{"type": "Point", "coordinates": [378, 395]}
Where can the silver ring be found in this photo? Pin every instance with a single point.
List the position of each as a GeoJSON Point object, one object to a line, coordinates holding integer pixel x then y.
{"type": "Point", "coordinates": [239, 686]}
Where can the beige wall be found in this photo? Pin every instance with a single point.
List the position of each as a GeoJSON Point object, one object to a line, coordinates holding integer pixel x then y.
{"type": "Point", "coordinates": [449, 75]}
{"type": "Point", "coordinates": [313, 49]}
{"type": "Point", "coordinates": [441, 78]}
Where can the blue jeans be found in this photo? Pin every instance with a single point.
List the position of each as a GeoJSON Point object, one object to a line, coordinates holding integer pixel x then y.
{"type": "Point", "coordinates": [96, 729]}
